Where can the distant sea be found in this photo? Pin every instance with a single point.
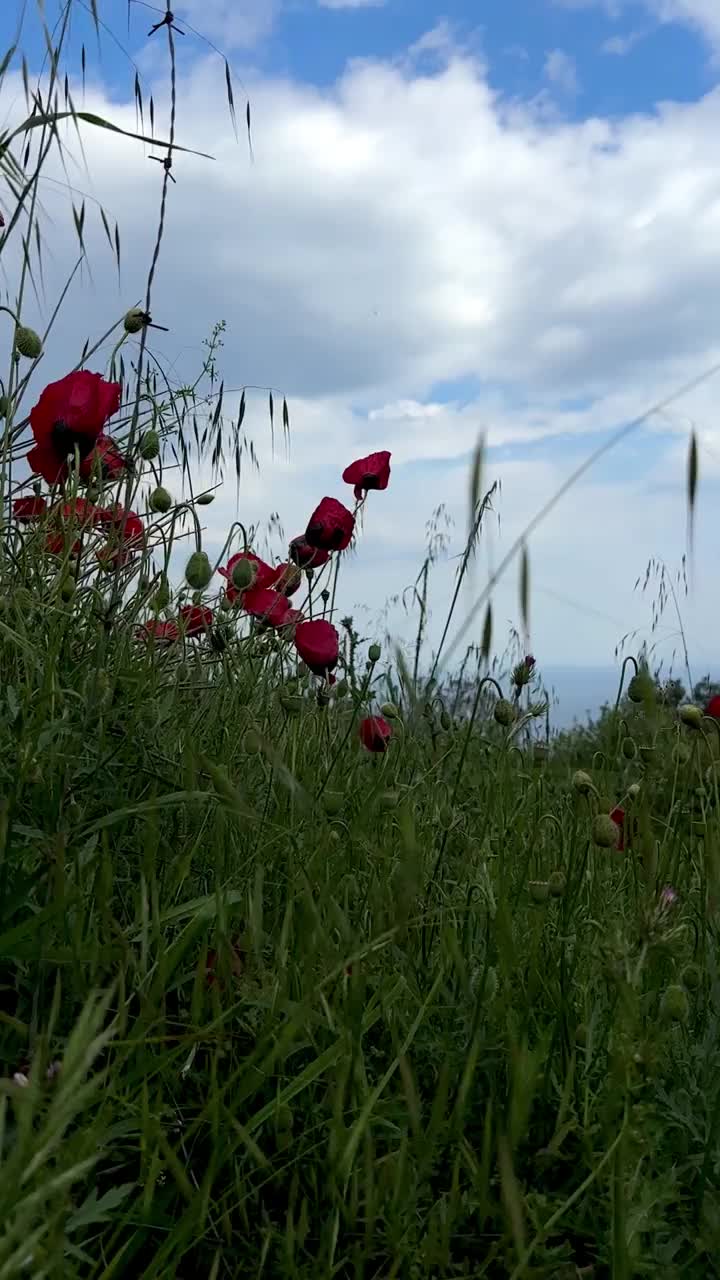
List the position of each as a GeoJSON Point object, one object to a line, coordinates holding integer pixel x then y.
{"type": "Point", "coordinates": [579, 692]}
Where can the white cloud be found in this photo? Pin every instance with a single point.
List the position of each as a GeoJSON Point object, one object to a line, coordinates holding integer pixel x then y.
{"type": "Point", "coordinates": [702, 15]}
{"type": "Point", "coordinates": [401, 229]}
{"type": "Point", "coordinates": [620, 46]}
{"type": "Point", "coordinates": [234, 24]}
{"type": "Point", "coordinates": [561, 71]}
{"type": "Point", "coordinates": [351, 4]}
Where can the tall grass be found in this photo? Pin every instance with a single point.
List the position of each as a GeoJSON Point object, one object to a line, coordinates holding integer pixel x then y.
{"type": "Point", "coordinates": [275, 1005]}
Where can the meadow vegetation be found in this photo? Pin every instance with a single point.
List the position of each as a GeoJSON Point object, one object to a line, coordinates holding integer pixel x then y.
{"type": "Point", "coordinates": [314, 962]}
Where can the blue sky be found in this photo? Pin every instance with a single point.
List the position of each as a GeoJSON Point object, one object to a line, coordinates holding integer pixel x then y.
{"type": "Point", "coordinates": [495, 218]}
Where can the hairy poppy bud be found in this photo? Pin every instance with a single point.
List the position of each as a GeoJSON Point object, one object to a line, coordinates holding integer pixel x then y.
{"type": "Point", "coordinates": [374, 652]}
{"type": "Point", "coordinates": [539, 890]}
{"type": "Point", "coordinates": [198, 571]}
{"type": "Point", "coordinates": [504, 712]}
{"type": "Point", "coordinates": [135, 320]}
{"type": "Point", "coordinates": [605, 832]}
{"type": "Point", "coordinates": [674, 1006]}
{"type": "Point", "coordinates": [691, 716]}
{"type": "Point", "coordinates": [582, 782]}
{"type": "Point", "coordinates": [691, 977]}
{"type": "Point", "coordinates": [67, 587]}
{"type": "Point", "coordinates": [204, 499]}
{"type": "Point", "coordinates": [251, 742]}
{"type": "Point", "coordinates": [629, 749]}
{"type": "Point", "coordinates": [160, 500]}
{"type": "Point", "coordinates": [342, 689]}
{"type": "Point", "coordinates": [445, 720]}
{"type": "Point", "coordinates": [640, 687]}
{"type": "Point", "coordinates": [390, 711]}
{"type": "Point", "coordinates": [556, 884]}
{"type": "Point", "coordinates": [27, 342]}
{"type": "Point", "coordinates": [149, 446]}
{"type": "Point", "coordinates": [243, 575]}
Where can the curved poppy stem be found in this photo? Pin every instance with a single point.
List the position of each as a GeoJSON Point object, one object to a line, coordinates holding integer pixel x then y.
{"type": "Point", "coordinates": [632, 660]}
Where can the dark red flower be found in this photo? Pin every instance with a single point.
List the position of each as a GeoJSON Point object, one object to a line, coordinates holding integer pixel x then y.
{"type": "Point", "coordinates": [713, 707]}
{"type": "Point", "coordinates": [330, 526]}
{"type": "Point", "coordinates": [618, 817]}
{"type": "Point", "coordinates": [26, 510]}
{"type": "Point", "coordinates": [375, 733]}
{"type": "Point", "coordinates": [265, 604]}
{"type": "Point", "coordinates": [196, 619]}
{"type": "Point", "coordinates": [287, 579]}
{"type": "Point", "coordinates": [105, 459]}
{"type": "Point", "coordinates": [318, 644]}
{"type": "Point", "coordinates": [55, 544]}
{"type": "Point", "coordinates": [305, 556]}
{"type": "Point", "coordinates": [161, 633]}
{"type": "Point", "coordinates": [372, 472]}
{"type": "Point", "coordinates": [293, 617]}
{"type": "Point", "coordinates": [69, 415]}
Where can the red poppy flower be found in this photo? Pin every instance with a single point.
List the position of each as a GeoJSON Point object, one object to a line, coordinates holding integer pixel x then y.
{"type": "Point", "coordinates": [265, 604]}
{"type": "Point", "coordinates": [375, 733]}
{"type": "Point", "coordinates": [318, 644]}
{"type": "Point", "coordinates": [105, 459]}
{"type": "Point", "coordinates": [713, 707]}
{"type": "Point", "coordinates": [128, 525]}
{"type": "Point", "coordinates": [287, 579]}
{"type": "Point", "coordinates": [372, 472]}
{"type": "Point", "coordinates": [69, 415]}
{"type": "Point", "coordinates": [618, 817]}
{"type": "Point", "coordinates": [196, 619]}
{"type": "Point", "coordinates": [331, 526]}
{"type": "Point", "coordinates": [293, 617]}
{"type": "Point", "coordinates": [55, 544]}
{"type": "Point", "coordinates": [305, 556]}
{"type": "Point", "coordinates": [81, 511]}
{"type": "Point", "coordinates": [161, 633]}
{"type": "Point", "coordinates": [26, 510]}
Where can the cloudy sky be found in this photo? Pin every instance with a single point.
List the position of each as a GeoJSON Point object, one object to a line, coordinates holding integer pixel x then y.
{"type": "Point", "coordinates": [459, 219]}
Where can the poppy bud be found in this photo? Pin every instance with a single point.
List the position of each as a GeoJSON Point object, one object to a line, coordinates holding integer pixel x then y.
{"type": "Point", "coordinates": [691, 977]}
{"type": "Point", "coordinates": [557, 883]}
{"type": "Point", "coordinates": [198, 571]}
{"type": "Point", "coordinates": [390, 711]}
{"type": "Point", "coordinates": [291, 704]}
{"type": "Point", "coordinates": [504, 713]}
{"type": "Point", "coordinates": [251, 742]}
{"type": "Point", "coordinates": [691, 716]}
{"type": "Point", "coordinates": [374, 652]}
{"type": "Point", "coordinates": [205, 499]}
{"type": "Point", "coordinates": [135, 320]}
{"type": "Point", "coordinates": [67, 587]}
{"type": "Point", "coordinates": [605, 832]}
{"type": "Point", "coordinates": [27, 342]}
{"type": "Point", "coordinates": [629, 749]}
{"type": "Point", "coordinates": [162, 595]}
{"type": "Point", "coordinates": [633, 790]}
{"type": "Point", "coordinates": [160, 500]}
{"type": "Point", "coordinates": [640, 688]}
{"type": "Point", "coordinates": [244, 573]}
{"type": "Point", "coordinates": [674, 1006]}
{"type": "Point", "coordinates": [539, 890]}
{"type": "Point", "coordinates": [149, 446]}
{"type": "Point", "coordinates": [342, 688]}
{"type": "Point", "coordinates": [4, 406]}
{"type": "Point", "coordinates": [582, 782]}
{"type": "Point", "coordinates": [389, 800]}
{"type": "Point", "coordinates": [445, 720]}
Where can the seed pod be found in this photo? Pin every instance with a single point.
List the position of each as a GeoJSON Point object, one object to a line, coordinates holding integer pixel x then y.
{"type": "Point", "coordinates": [198, 571]}
{"type": "Point", "coordinates": [27, 342]}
